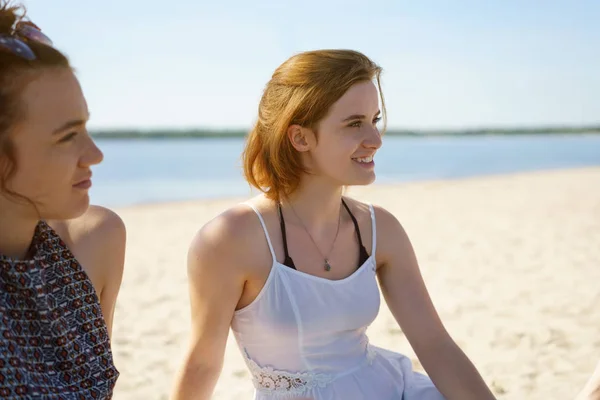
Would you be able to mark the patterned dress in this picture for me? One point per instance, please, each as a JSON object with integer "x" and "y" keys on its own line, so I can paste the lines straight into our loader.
{"x": 54, "y": 342}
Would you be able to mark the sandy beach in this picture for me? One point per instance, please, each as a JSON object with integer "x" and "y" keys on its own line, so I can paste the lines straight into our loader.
{"x": 512, "y": 263}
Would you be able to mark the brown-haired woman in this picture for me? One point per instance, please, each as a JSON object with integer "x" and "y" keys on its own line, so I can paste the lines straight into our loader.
{"x": 61, "y": 261}
{"x": 294, "y": 271}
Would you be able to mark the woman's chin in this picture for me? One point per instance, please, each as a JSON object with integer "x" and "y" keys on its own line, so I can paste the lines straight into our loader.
{"x": 360, "y": 181}
{"x": 67, "y": 210}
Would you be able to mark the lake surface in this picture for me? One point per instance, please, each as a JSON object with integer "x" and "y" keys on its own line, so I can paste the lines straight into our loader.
{"x": 146, "y": 171}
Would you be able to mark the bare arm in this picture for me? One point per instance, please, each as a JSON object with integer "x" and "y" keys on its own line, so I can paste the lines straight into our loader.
{"x": 215, "y": 285}
{"x": 591, "y": 390}
{"x": 97, "y": 239}
{"x": 110, "y": 258}
{"x": 408, "y": 299}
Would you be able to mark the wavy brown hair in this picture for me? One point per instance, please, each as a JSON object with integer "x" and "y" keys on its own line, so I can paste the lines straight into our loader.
{"x": 15, "y": 73}
{"x": 301, "y": 91}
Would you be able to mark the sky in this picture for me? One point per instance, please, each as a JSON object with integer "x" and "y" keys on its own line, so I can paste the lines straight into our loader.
{"x": 447, "y": 64}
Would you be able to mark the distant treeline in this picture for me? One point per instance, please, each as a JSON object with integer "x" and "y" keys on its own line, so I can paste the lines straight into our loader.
{"x": 166, "y": 133}
{"x": 206, "y": 133}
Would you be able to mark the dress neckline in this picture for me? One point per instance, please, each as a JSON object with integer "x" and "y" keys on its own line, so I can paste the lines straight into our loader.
{"x": 41, "y": 235}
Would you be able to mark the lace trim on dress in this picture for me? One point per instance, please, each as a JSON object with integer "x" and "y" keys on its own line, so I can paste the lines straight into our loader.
{"x": 269, "y": 380}
{"x": 272, "y": 381}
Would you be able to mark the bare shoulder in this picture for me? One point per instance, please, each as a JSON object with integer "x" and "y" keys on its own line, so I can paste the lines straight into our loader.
{"x": 386, "y": 220}
{"x": 97, "y": 239}
{"x": 98, "y": 228}
{"x": 392, "y": 239}
{"x": 224, "y": 257}
{"x": 103, "y": 218}
{"x": 360, "y": 210}
{"x": 226, "y": 240}
{"x": 387, "y": 223}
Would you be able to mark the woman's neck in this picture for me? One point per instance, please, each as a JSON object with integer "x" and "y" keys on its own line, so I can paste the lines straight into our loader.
{"x": 316, "y": 202}
{"x": 16, "y": 231}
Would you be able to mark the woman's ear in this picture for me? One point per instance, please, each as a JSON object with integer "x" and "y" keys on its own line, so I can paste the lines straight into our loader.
{"x": 298, "y": 137}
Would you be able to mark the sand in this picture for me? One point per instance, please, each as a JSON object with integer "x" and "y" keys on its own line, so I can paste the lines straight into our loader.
{"x": 512, "y": 263}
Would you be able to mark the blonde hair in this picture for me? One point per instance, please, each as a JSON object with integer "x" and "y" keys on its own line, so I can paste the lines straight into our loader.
{"x": 301, "y": 91}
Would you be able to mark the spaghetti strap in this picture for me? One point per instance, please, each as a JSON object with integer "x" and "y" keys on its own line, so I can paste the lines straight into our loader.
{"x": 373, "y": 230}
{"x": 305, "y": 336}
{"x": 264, "y": 227}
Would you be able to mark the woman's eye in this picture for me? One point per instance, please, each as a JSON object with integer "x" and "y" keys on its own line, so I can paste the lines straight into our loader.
{"x": 68, "y": 137}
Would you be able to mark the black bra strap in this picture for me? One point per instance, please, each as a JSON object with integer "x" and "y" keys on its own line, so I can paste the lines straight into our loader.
{"x": 288, "y": 260}
{"x": 363, "y": 255}
{"x": 354, "y": 221}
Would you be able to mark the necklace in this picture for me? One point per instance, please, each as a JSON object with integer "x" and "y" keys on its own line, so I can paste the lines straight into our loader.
{"x": 326, "y": 265}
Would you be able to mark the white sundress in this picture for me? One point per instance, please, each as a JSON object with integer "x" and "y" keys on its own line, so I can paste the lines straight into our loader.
{"x": 304, "y": 337}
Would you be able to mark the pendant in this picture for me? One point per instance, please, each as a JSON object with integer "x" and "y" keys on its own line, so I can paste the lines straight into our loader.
{"x": 327, "y": 265}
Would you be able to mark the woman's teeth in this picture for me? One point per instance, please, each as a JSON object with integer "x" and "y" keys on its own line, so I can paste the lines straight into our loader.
{"x": 364, "y": 159}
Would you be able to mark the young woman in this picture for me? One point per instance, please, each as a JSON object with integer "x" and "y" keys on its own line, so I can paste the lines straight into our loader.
{"x": 294, "y": 271}
{"x": 61, "y": 261}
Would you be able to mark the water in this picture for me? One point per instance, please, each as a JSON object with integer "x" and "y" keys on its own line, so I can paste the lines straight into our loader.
{"x": 145, "y": 171}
